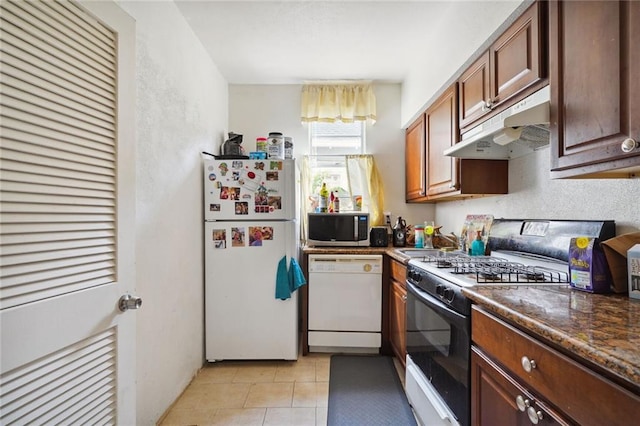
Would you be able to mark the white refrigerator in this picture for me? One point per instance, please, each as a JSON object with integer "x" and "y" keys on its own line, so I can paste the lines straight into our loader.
{"x": 250, "y": 226}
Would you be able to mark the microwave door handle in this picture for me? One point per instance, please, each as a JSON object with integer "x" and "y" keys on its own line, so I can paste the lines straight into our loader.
{"x": 355, "y": 228}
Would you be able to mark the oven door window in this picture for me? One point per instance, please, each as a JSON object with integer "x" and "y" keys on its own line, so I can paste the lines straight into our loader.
{"x": 438, "y": 341}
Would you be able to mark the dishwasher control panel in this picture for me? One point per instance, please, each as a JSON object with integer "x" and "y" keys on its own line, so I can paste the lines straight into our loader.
{"x": 345, "y": 263}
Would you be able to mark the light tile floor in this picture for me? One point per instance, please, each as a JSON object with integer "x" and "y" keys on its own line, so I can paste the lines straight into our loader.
{"x": 278, "y": 393}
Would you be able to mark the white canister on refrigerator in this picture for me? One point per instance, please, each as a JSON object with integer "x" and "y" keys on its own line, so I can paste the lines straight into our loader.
{"x": 275, "y": 146}
{"x": 288, "y": 147}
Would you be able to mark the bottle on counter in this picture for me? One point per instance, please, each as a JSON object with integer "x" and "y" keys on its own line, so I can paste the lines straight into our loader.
{"x": 477, "y": 246}
{"x": 419, "y": 240}
{"x": 336, "y": 205}
{"x": 323, "y": 200}
{"x": 332, "y": 198}
{"x": 399, "y": 233}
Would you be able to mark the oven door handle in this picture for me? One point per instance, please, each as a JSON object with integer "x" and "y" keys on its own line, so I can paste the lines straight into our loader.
{"x": 435, "y": 304}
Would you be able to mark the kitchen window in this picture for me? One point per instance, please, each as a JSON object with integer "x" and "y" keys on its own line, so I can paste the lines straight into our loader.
{"x": 330, "y": 143}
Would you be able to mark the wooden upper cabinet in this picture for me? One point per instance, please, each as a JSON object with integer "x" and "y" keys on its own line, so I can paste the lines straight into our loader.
{"x": 432, "y": 176}
{"x": 516, "y": 58}
{"x": 474, "y": 91}
{"x": 595, "y": 81}
{"x": 441, "y": 121}
{"x": 513, "y": 67}
{"x": 415, "y": 161}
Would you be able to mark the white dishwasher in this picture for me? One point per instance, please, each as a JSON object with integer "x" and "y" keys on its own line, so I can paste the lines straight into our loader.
{"x": 345, "y": 303}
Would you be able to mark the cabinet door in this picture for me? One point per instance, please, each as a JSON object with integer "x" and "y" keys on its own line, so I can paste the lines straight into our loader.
{"x": 518, "y": 58}
{"x": 415, "y": 161}
{"x": 475, "y": 91}
{"x": 513, "y": 67}
{"x": 442, "y": 133}
{"x": 397, "y": 319}
{"x": 594, "y": 73}
{"x": 495, "y": 395}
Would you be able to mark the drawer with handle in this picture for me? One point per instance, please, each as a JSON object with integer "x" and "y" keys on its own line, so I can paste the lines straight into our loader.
{"x": 582, "y": 394}
{"x": 398, "y": 271}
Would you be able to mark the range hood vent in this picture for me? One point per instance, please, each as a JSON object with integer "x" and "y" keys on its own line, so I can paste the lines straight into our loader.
{"x": 518, "y": 130}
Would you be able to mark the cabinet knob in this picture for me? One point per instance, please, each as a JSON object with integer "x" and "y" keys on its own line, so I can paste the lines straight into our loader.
{"x": 487, "y": 105}
{"x": 629, "y": 145}
{"x": 527, "y": 364}
{"x": 404, "y": 298}
{"x": 522, "y": 403}
{"x": 534, "y": 416}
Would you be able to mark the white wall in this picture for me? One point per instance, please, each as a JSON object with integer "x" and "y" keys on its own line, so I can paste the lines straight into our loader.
{"x": 255, "y": 110}
{"x": 532, "y": 194}
{"x": 429, "y": 73}
{"x": 182, "y": 109}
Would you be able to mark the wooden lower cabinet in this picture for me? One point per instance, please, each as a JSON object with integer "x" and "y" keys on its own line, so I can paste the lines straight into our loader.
{"x": 505, "y": 358}
{"x": 398, "y": 310}
{"x": 495, "y": 398}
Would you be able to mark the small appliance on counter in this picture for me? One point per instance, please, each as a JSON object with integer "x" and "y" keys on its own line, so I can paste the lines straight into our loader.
{"x": 338, "y": 229}
{"x": 232, "y": 146}
{"x": 378, "y": 236}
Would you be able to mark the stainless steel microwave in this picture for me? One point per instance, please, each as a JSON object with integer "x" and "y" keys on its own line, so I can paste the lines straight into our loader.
{"x": 338, "y": 229}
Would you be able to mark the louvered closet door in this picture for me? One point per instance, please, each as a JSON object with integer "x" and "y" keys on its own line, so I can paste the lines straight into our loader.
{"x": 67, "y": 212}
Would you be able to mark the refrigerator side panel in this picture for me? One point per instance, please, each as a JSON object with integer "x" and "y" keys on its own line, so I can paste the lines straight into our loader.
{"x": 243, "y": 319}
{"x": 249, "y": 189}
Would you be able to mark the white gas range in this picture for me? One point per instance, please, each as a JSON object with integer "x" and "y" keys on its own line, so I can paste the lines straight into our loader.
{"x": 438, "y": 334}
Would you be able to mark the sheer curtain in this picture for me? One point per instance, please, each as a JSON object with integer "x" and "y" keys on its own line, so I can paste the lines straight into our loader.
{"x": 363, "y": 180}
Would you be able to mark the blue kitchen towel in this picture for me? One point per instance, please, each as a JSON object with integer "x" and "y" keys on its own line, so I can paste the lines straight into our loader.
{"x": 296, "y": 277}
{"x": 283, "y": 290}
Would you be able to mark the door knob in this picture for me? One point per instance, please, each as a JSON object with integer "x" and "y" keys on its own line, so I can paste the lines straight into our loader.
{"x": 128, "y": 301}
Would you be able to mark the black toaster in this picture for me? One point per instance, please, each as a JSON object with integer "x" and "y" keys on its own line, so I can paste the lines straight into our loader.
{"x": 378, "y": 237}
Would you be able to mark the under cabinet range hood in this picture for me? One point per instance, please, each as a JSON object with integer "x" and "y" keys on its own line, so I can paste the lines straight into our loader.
{"x": 516, "y": 131}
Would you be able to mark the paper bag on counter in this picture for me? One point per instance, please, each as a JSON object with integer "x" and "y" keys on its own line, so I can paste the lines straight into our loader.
{"x": 615, "y": 250}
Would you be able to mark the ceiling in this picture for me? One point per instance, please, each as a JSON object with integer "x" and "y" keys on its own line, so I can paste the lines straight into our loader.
{"x": 289, "y": 42}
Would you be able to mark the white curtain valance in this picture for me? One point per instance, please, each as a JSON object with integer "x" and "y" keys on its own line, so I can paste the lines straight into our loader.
{"x": 338, "y": 102}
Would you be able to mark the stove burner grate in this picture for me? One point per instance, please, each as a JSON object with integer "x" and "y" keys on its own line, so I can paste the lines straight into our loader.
{"x": 490, "y": 269}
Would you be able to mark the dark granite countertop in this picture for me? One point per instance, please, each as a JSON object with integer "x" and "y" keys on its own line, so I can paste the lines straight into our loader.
{"x": 603, "y": 330}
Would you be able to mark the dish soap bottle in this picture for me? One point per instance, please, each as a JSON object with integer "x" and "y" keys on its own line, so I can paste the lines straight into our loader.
{"x": 323, "y": 201}
{"x": 477, "y": 246}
